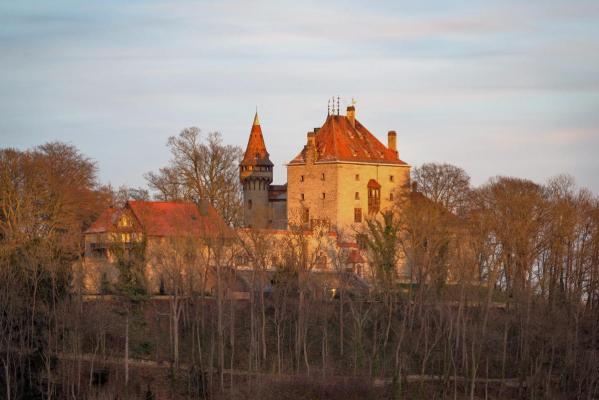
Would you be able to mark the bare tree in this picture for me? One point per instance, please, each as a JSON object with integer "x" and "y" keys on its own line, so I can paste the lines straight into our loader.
{"x": 178, "y": 264}
{"x": 201, "y": 169}
{"x": 48, "y": 196}
{"x": 445, "y": 184}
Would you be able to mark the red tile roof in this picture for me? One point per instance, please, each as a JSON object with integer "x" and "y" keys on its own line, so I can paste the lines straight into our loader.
{"x": 255, "y": 152}
{"x": 105, "y": 222}
{"x": 168, "y": 218}
{"x": 338, "y": 140}
{"x": 373, "y": 184}
{"x": 355, "y": 257}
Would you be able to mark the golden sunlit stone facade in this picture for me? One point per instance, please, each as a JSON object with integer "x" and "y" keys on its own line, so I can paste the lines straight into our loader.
{"x": 342, "y": 176}
{"x": 337, "y": 193}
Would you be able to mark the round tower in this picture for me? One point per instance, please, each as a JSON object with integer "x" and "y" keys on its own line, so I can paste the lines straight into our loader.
{"x": 255, "y": 174}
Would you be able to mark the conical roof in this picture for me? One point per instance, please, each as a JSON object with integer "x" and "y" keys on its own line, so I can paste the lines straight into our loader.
{"x": 255, "y": 152}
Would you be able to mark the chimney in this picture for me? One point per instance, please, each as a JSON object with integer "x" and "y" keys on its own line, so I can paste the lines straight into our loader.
{"x": 311, "y": 139}
{"x": 311, "y": 148}
{"x": 392, "y": 141}
{"x": 351, "y": 115}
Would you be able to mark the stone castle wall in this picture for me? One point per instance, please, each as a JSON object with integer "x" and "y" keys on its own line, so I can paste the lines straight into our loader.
{"x": 340, "y": 183}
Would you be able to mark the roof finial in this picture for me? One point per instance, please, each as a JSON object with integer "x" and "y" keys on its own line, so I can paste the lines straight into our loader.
{"x": 337, "y": 105}
{"x": 329, "y": 107}
{"x": 256, "y": 120}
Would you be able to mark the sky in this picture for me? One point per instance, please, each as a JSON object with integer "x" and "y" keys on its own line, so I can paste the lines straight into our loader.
{"x": 498, "y": 87}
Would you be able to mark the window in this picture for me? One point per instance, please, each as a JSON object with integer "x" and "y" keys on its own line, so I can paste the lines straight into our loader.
{"x": 324, "y": 195}
{"x": 357, "y": 196}
{"x": 391, "y": 196}
{"x": 374, "y": 200}
{"x": 322, "y": 176}
{"x": 357, "y": 177}
{"x": 391, "y": 178}
{"x": 306, "y": 216}
{"x": 302, "y": 196}
{"x": 249, "y": 204}
{"x": 161, "y": 287}
{"x": 97, "y": 251}
{"x": 301, "y": 178}
{"x": 357, "y": 215}
{"x": 125, "y": 221}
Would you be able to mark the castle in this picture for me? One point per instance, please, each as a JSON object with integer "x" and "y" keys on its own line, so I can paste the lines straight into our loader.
{"x": 342, "y": 176}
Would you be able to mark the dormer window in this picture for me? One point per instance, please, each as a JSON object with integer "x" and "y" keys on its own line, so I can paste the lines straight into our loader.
{"x": 322, "y": 176}
{"x": 301, "y": 178}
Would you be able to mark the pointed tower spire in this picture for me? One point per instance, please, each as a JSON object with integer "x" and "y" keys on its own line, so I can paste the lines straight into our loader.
{"x": 255, "y": 152}
{"x": 256, "y": 119}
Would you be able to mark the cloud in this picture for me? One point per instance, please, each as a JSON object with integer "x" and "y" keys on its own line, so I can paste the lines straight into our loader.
{"x": 455, "y": 79}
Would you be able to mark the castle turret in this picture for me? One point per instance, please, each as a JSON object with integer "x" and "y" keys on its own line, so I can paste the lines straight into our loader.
{"x": 255, "y": 173}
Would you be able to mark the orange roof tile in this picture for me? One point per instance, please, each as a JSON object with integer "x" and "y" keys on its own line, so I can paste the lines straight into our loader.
{"x": 373, "y": 184}
{"x": 105, "y": 221}
{"x": 255, "y": 152}
{"x": 179, "y": 218}
{"x": 338, "y": 140}
{"x": 168, "y": 218}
